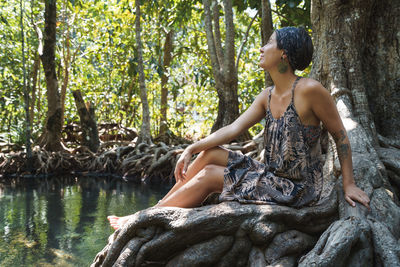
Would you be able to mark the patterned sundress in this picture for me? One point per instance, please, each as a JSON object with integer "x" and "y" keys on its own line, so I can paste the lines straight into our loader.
{"x": 292, "y": 172}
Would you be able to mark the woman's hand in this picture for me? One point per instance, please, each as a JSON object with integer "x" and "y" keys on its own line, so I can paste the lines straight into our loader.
{"x": 182, "y": 165}
{"x": 352, "y": 192}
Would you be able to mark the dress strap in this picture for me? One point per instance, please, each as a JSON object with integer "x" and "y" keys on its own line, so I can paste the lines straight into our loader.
{"x": 269, "y": 94}
{"x": 294, "y": 85}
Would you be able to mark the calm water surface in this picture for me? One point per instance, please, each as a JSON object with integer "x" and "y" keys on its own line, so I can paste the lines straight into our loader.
{"x": 62, "y": 221}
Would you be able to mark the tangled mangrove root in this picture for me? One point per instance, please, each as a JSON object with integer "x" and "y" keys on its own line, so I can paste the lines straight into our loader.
{"x": 134, "y": 162}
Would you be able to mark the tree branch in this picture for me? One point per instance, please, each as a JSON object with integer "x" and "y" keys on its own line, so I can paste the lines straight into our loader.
{"x": 210, "y": 38}
{"x": 217, "y": 31}
{"x": 229, "y": 56}
{"x": 283, "y": 16}
{"x": 245, "y": 39}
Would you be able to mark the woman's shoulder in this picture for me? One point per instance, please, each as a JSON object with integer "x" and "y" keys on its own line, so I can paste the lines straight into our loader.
{"x": 264, "y": 93}
{"x": 309, "y": 86}
{"x": 266, "y": 89}
{"x": 312, "y": 91}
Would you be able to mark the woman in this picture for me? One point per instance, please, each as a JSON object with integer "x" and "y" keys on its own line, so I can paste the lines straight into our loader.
{"x": 292, "y": 172}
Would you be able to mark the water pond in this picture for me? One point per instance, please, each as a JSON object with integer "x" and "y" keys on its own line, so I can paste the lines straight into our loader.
{"x": 61, "y": 221}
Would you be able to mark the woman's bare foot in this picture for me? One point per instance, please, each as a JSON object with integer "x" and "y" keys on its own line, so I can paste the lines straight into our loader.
{"x": 117, "y": 222}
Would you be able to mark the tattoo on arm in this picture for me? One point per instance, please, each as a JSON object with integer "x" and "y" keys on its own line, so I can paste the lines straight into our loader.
{"x": 343, "y": 149}
{"x": 339, "y": 136}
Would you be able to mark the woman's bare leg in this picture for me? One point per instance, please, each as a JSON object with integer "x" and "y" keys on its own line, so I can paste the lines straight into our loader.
{"x": 216, "y": 156}
{"x": 210, "y": 179}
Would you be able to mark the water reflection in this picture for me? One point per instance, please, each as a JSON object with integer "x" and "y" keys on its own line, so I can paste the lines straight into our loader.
{"x": 62, "y": 221}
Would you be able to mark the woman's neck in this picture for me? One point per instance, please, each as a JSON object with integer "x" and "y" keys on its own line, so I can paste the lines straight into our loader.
{"x": 283, "y": 81}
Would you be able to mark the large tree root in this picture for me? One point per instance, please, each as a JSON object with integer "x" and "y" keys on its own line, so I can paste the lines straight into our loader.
{"x": 391, "y": 159}
{"x": 221, "y": 235}
{"x": 355, "y": 242}
{"x": 231, "y": 234}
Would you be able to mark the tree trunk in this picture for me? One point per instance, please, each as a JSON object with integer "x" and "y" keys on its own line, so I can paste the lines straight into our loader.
{"x": 266, "y": 31}
{"x": 26, "y": 96}
{"x": 52, "y": 140}
{"x": 223, "y": 64}
{"x": 67, "y": 60}
{"x": 168, "y": 48}
{"x": 34, "y": 76}
{"x": 332, "y": 233}
{"x": 382, "y": 79}
{"x": 144, "y": 135}
{"x": 128, "y": 107}
{"x": 90, "y": 134}
{"x": 344, "y": 36}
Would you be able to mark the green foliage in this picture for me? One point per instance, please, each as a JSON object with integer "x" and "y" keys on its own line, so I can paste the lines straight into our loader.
{"x": 103, "y": 61}
{"x": 294, "y": 12}
{"x": 11, "y": 72}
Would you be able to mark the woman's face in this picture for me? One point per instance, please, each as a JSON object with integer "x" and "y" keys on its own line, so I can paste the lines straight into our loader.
{"x": 270, "y": 54}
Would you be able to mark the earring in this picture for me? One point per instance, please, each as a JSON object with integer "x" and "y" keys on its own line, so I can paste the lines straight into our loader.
{"x": 283, "y": 66}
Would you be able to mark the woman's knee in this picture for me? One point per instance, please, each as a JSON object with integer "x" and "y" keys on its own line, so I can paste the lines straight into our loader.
{"x": 215, "y": 155}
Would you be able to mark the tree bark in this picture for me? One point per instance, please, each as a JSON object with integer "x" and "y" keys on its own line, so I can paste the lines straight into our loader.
{"x": 168, "y": 48}
{"x": 52, "y": 140}
{"x": 266, "y": 32}
{"x": 34, "y": 77}
{"x": 39, "y": 91}
{"x": 223, "y": 63}
{"x": 67, "y": 62}
{"x": 383, "y": 48}
{"x": 332, "y": 233}
{"x": 127, "y": 105}
{"x": 144, "y": 135}
{"x": 90, "y": 134}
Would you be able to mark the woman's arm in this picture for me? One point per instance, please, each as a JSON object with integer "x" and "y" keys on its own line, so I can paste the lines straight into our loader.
{"x": 324, "y": 107}
{"x": 250, "y": 117}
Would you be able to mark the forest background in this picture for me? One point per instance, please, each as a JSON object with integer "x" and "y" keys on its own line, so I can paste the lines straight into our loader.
{"x": 96, "y": 53}
{"x": 181, "y": 70}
